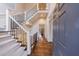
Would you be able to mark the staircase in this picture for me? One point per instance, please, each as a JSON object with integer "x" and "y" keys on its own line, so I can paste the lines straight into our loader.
{"x": 10, "y": 47}
{"x": 14, "y": 43}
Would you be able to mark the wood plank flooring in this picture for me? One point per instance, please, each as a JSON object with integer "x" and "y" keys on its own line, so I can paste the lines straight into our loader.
{"x": 43, "y": 48}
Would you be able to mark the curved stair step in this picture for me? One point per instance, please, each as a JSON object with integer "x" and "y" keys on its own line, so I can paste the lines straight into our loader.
{"x": 5, "y": 37}
{"x": 8, "y": 49}
{"x": 7, "y": 43}
{"x": 25, "y": 53}
{"x": 19, "y": 52}
{"x": 9, "y": 53}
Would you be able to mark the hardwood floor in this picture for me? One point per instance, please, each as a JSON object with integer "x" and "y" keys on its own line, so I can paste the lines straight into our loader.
{"x": 43, "y": 48}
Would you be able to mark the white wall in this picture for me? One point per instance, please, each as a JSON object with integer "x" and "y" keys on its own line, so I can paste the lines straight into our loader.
{"x": 32, "y": 31}
{"x": 51, "y": 7}
{"x": 48, "y": 32}
{"x": 35, "y": 28}
{"x": 3, "y": 7}
{"x": 2, "y": 22}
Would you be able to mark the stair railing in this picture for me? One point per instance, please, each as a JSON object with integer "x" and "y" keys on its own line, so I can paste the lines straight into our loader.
{"x": 25, "y": 15}
{"x": 30, "y": 12}
{"x": 19, "y": 29}
{"x": 23, "y": 32}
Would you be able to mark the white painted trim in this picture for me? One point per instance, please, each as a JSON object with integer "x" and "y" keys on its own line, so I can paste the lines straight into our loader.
{"x": 47, "y": 6}
{"x": 50, "y": 6}
{"x": 52, "y": 31}
{"x": 28, "y": 36}
{"x": 24, "y": 15}
{"x": 37, "y": 7}
{"x": 7, "y": 21}
{"x": 2, "y": 36}
{"x": 51, "y": 25}
{"x": 28, "y": 44}
{"x": 6, "y": 42}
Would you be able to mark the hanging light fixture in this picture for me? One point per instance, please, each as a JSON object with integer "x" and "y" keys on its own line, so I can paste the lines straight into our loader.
{"x": 42, "y": 21}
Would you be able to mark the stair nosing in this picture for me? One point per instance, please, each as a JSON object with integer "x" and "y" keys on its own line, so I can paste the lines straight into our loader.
{"x": 11, "y": 51}
{"x": 18, "y": 51}
{"x": 3, "y": 36}
{"x": 6, "y": 41}
{"x": 9, "y": 48}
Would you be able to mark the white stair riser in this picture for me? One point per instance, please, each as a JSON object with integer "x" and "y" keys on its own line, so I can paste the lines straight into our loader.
{"x": 19, "y": 52}
{"x": 8, "y": 49}
{"x": 5, "y": 38}
{"x": 7, "y": 45}
{"x": 9, "y": 53}
{"x": 25, "y": 53}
